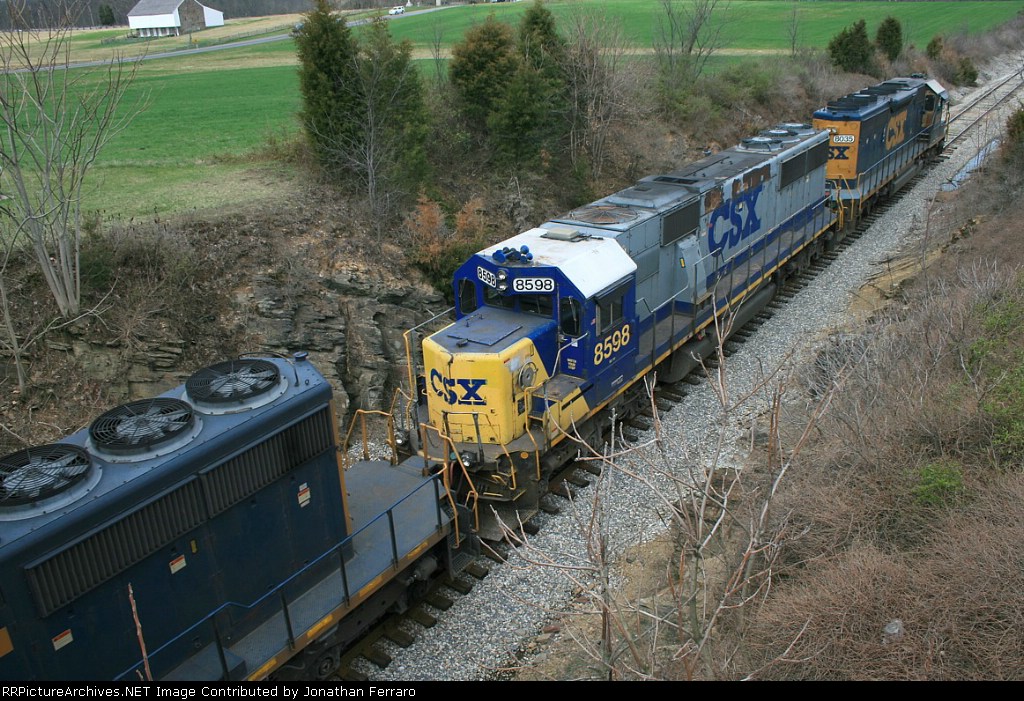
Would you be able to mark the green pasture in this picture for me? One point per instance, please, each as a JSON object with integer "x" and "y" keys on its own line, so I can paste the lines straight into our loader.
{"x": 209, "y": 114}
{"x": 753, "y": 24}
{"x": 199, "y": 132}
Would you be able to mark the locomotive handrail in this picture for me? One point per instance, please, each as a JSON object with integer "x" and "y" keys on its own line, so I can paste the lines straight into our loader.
{"x": 472, "y": 494}
{"x": 278, "y": 591}
{"x": 490, "y": 425}
{"x": 409, "y": 356}
{"x": 361, "y": 415}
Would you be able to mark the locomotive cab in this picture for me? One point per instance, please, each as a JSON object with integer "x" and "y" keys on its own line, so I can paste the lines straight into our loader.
{"x": 542, "y": 321}
{"x": 539, "y": 319}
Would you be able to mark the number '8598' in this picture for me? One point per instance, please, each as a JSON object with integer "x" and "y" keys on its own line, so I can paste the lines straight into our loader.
{"x": 611, "y": 345}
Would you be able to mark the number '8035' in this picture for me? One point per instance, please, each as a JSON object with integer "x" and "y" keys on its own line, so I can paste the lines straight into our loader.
{"x": 611, "y": 345}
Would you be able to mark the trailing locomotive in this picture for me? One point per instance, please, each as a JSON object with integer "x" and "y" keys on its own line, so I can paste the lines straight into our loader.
{"x": 215, "y": 533}
{"x": 210, "y": 533}
{"x": 556, "y": 326}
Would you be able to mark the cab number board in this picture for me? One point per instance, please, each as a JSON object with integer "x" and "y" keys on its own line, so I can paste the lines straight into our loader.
{"x": 486, "y": 276}
{"x": 533, "y": 284}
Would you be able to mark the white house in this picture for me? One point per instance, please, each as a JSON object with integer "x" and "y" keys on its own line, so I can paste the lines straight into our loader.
{"x": 160, "y": 18}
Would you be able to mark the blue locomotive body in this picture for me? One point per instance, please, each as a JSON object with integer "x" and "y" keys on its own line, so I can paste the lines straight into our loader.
{"x": 205, "y": 534}
{"x": 880, "y": 137}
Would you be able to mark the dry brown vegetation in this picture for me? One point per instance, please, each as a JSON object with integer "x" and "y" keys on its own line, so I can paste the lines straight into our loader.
{"x": 906, "y": 512}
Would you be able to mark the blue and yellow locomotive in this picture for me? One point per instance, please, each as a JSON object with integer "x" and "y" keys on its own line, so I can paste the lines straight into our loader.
{"x": 556, "y": 326}
{"x": 211, "y": 533}
{"x": 880, "y": 137}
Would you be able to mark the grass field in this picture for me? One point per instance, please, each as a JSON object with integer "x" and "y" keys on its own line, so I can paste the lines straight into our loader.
{"x": 208, "y": 112}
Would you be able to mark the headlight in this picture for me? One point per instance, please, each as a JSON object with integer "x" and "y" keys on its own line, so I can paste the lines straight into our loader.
{"x": 527, "y": 375}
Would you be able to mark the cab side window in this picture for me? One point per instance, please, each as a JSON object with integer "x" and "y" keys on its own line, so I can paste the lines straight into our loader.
{"x": 570, "y": 314}
{"x": 610, "y": 309}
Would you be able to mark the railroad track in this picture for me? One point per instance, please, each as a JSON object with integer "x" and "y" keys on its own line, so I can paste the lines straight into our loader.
{"x": 400, "y": 629}
{"x": 981, "y": 107}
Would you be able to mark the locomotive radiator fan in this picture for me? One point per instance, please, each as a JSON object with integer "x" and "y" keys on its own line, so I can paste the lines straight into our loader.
{"x": 234, "y": 385}
{"x": 41, "y": 472}
{"x": 141, "y": 429}
{"x": 604, "y": 214}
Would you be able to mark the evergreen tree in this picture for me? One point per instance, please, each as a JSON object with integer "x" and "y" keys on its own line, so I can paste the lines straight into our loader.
{"x": 539, "y": 41}
{"x": 889, "y": 38}
{"x": 528, "y": 118}
{"x": 331, "y": 104}
{"x": 391, "y": 142}
{"x": 106, "y": 15}
{"x": 482, "y": 67}
{"x": 851, "y": 49}
{"x": 521, "y": 122}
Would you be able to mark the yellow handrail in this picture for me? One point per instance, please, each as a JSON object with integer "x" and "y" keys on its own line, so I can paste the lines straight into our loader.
{"x": 360, "y": 416}
{"x": 472, "y": 496}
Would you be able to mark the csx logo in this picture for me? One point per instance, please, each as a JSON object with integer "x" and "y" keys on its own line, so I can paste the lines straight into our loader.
{"x": 838, "y": 153}
{"x": 734, "y": 220}
{"x": 457, "y": 391}
{"x": 895, "y": 131}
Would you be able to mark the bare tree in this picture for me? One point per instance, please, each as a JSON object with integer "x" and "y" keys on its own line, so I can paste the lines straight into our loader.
{"x": 597, "y": 85}
{"x": 688, "y": 34}
{"x": 54, "y": 121}
{"x": 437, "y": 47}
{"x": 793, "y": 29}
{"x": 384, "y": 143}
{"x": 727, "y": 539}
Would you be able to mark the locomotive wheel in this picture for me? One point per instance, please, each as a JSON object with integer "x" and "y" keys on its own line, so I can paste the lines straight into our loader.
{"x": 326, "y": 664}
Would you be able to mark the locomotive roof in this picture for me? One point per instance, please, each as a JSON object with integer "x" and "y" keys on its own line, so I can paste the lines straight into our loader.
{"x": 872, "y": 100}
{"x": 590, "y": 263}
{"x": 630, "y": 207}
{"x": 120, "y": 485}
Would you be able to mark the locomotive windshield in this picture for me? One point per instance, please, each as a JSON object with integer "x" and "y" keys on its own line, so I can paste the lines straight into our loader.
{"x": 536, "y": 304}
{"x": 467, "y": 296}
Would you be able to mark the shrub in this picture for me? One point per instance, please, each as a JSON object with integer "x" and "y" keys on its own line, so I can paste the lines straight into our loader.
{"x": 966, "y": 73}
{"x": 851, "y": 49}
{"x": 436, "y": 248}
{"x": 939, "y": 483}
{"x": 1013, "y": 150}
{"x": 889, "y": 38}
{"x": 934, "y": 48}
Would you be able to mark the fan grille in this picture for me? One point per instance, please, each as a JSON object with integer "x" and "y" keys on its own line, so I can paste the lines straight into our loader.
{"x": 138, "y": 426}
{"x": 233, "y": 381}
{"x": 604, "y": 214}
{"x": 43, "y": 471}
